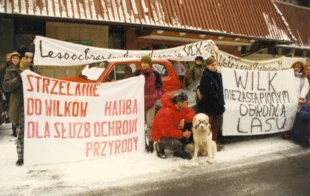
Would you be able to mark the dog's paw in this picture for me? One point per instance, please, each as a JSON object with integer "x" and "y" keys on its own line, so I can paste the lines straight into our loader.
{"x": 192, "y": 160}
{"x": 210, "y": 161}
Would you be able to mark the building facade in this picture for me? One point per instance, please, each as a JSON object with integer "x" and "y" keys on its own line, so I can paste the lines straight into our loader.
{"x": 238, "y": 27}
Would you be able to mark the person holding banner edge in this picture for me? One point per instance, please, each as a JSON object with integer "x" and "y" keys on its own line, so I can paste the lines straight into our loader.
{"x": 302, "y": 88}
{"x": 13, "y": 83}
{"x": 153, "y": 90}
{"x": 211, "y": 98}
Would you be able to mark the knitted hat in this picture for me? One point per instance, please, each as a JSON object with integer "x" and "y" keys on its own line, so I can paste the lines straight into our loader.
{"x": 179, "y": 97}
{"x": 199, "y": 58}
{"x": 15, "y": 53}
{"x": 25, "y": 51}
{"x": 146, "y": 59}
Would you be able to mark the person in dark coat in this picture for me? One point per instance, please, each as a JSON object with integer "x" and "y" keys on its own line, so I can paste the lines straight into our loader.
{"x": 13, "y": 61}
{"x": 3, "y": 69}
{"x": 153, "y": 90}
{"x": 211, "y": 94}
{"x": 13, "y": 84}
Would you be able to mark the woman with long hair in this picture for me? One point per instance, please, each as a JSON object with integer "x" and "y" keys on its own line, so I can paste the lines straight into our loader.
{"x": 211, "y": 94}
{"x": 302, "y": 87}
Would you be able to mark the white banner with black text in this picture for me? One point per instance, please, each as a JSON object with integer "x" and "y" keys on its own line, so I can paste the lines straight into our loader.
{"x": 55, "y": 52}
{"x": 258, "y": 102}
{"x": 225, "y": 60}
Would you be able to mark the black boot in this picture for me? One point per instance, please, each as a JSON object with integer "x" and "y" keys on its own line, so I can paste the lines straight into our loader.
{"x": 20, "y": 162}
{"x": 149, "y": 148}
{"x": 182, "y": 154}
{"x": 14, "y": 131}
{"x": 160, "y": 150}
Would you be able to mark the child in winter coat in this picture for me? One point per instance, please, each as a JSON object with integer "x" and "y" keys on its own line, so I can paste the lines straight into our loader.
{"x": 153, "y": 90}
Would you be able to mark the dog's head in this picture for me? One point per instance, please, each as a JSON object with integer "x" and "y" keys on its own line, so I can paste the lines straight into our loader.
{"x": 201, "y": 122}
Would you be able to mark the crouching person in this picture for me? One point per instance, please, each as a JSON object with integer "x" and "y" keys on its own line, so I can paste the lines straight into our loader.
{"x": 167, "y": 130}
{"x": 13, "y": 84}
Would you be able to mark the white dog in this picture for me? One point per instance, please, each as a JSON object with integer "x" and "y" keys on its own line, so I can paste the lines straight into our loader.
{"x": 202, "y": 136}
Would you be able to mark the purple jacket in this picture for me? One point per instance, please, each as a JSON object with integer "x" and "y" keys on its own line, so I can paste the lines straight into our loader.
{"x": 153, "y": 87}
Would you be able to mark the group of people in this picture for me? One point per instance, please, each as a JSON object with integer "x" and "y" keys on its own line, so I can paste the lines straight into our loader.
{"x": 12, "y": 88}
{"x": 171, "y": 127}
{"x": 191, "y": 74}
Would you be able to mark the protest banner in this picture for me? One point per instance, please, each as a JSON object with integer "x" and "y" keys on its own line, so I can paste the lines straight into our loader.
{"x": 68, "y": 121}
{"x": 55, "y": 52}
{"x": 225, "y": 60}
{"x": 258, "y": 102}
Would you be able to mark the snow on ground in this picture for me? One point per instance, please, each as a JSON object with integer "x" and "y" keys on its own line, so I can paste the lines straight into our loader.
{"x": 109, "y": 171}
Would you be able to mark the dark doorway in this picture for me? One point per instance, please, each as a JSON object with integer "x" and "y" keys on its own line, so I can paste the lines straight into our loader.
{"x": 26, "y": 30}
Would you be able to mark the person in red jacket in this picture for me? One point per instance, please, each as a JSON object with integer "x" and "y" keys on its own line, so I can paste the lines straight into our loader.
{"x": 168, "y": 125}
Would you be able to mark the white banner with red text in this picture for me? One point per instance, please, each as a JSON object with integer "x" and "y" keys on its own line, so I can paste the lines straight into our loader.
{"x": 67, "y": 121}
{"x": 55, "y": 52}
{"x": 258, "y": 102}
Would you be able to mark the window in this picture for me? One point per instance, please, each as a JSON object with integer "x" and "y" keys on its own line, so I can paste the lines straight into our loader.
{"x": 121, "y": 71}
{"x": 94, "y": 70}
{"x": 117, "y": 37}
{"x": 161, "y": 69}
{"x": 298, "y": 52}
{"x": 285, "y": 51}
{"x": 272, "y": 50}
{"x": 26, "y": 30}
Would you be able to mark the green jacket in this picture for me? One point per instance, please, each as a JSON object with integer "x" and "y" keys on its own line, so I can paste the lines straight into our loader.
{"x": 13, "y": 85}
{"x": 193, "y": 74}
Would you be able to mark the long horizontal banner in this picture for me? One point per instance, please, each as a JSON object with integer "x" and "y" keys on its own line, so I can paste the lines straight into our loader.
{"x": 258, "y": 102}
{"x": 55, "y": 52}
{"x": 68, "y": 121}
{"x": 226, "y": 60}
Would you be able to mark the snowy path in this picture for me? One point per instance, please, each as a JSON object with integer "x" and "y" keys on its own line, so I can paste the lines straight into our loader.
{"x": 69, "y": 178}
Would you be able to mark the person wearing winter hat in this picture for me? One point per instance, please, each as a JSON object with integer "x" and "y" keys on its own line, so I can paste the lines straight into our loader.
{"x": 169, "y": 130}
{"x": 13, "y": 60}
{"x": 194, "y": 72}
{"x": 13, "y": 83}
{"x": 153, "y": 90}
{"x": 15, "y": 57}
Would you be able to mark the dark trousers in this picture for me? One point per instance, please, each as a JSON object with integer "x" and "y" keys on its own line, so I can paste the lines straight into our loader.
{"x": 20, "y": 135}
{"x": 215, "y": 122}
{"x": 172, "y": 144}
{"x": 175, "y": 144}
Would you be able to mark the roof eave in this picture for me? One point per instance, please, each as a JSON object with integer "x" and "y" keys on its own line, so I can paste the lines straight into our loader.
{"x": 210, "y": 32}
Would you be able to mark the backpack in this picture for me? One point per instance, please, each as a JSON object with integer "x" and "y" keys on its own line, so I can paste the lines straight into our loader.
{"x": 158, "y": 81}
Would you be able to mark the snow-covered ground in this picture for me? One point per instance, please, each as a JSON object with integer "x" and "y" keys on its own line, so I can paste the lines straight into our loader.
{"x": 109, "y": 171}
